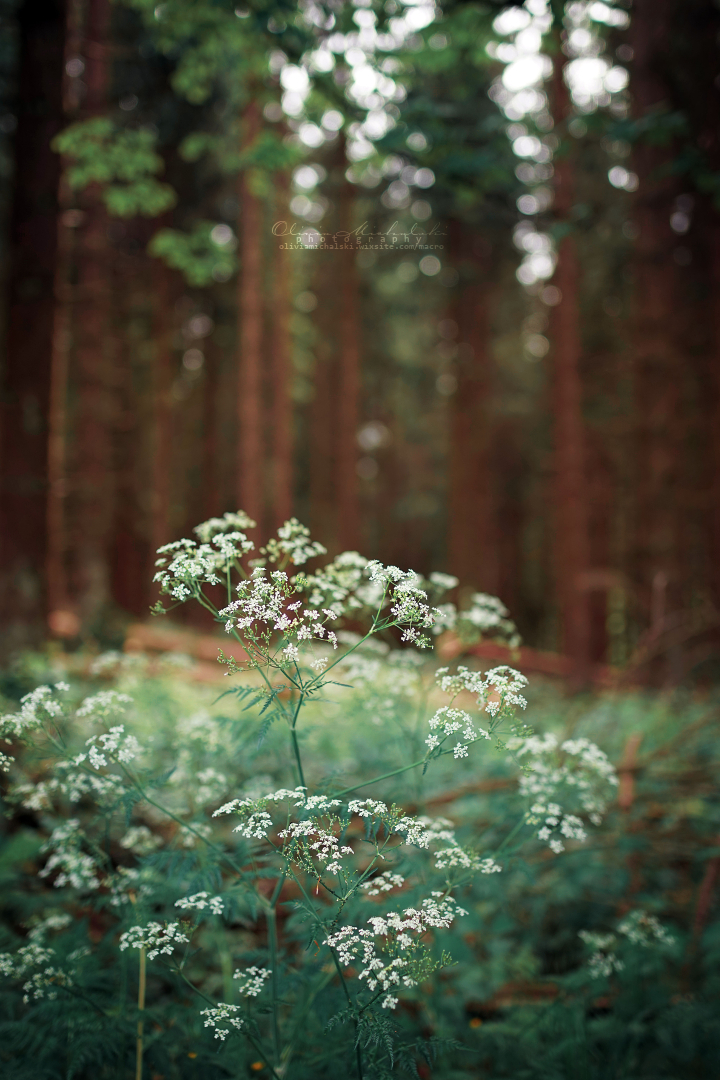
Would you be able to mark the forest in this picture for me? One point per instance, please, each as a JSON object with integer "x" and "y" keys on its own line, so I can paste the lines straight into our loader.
{"x": 411, "y": 304}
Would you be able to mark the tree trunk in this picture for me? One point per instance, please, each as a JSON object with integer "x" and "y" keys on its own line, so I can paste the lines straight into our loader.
{"x": 250, "y": 311}
{"x": 570, "y": 518}
{"x": 657, "y": 375}
{"x": 348, "y": 406}
{"x": 282, "y": 413}
{"x": 160, "y": 528}
{"x": 471, "y": 547}
{"x": 321, "y": 418}
{"x": 27, "y": 375}
{"x": 94, "y": 482}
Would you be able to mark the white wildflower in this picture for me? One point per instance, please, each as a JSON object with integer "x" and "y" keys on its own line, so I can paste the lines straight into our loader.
{"x": 221, "y": 1015}
{"x": 200, "y": 901}
{"x": 154, "y": 937}
{"x": 252, "y": 980}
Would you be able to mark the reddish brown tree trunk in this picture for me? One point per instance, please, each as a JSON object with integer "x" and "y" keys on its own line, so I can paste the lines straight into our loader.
{"x": 658, "y": 372}
{"x": 250, "y": 311}
{"x": 321, "y": 414}
{"x": 471, "y": 547}
{"x": 162, "y": 405}
{"x": 26, "y": 377}
{"x": 348, "y": 406}
{"x": 211, "y": 489}
{"x": 714, "y": 477}
{"x": 94, "y": 486}
{"x": 570, "y": 491}
{"x": 282, "y": 417}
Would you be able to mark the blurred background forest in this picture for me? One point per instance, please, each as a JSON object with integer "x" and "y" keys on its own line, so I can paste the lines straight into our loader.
{"x": 439, "y": 280}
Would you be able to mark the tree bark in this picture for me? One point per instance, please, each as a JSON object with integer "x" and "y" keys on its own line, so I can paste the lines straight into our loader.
{"x": 250, "y": 310}
{"x": 570, "y": 490}
{"x": 94, "y": 482}
{"x": 160, "y": 528}
{"x": 471, "y": 546}
{"x": 27, "y": 375}
{"x": 282, "y": 413}
{"x": 348, "y": 406}
{"x": 657, "y": 375}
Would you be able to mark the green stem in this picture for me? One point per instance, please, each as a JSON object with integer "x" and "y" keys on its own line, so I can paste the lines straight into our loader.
{"x": 296, "y": 751}
{"x": 385, "y": 776}
{"x": 510, "y": 835}
{"x": 271, "y": 916}
{"x": 251, "y": 1039}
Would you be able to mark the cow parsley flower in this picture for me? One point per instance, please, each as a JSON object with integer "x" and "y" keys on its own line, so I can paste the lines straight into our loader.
{"x": 382, "y": 883}
{"x": 105, "y": 704}
{"x": 155, "y": 938}
{"x": 293, "y": 541}
{"x": 252, "y": 980}
{"x": 36, "y": 708}
{"x": 228, "y": 523}
{"x": 36, "y": 961}
{"x": 398, "y": 959}
{"x": 200, "y": 901}
{"x": 76, "y": 867}
{"x": 221, "y": 1015}
{"x": 140, "y": 840}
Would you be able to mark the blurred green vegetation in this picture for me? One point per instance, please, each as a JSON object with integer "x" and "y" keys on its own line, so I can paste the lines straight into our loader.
{"x": 519, "y": 1001}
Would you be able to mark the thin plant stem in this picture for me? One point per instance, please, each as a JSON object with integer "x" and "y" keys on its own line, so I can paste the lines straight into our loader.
{"x": 385, "y": 776}
{"x": 140, "y": 1026}
{"x": 271, "y": 916}
{"x": 296, "y": 751}
{"x": 250, "y": 1038}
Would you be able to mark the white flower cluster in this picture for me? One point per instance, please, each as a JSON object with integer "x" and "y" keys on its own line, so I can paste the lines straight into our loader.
{"x": 443, "y": 582}
{"x": 154, "y": 937}
{"x": 57, "y": 920}
{"x": 115, "y": 744}
{"x": 604, "y": 961}
{"x": 382, "y": 883}
{"x": 42, "y": 982}
{"x": 128, "y": 884}
{"x": 497, "y": 690}
{"x": 223, "y": 1014}
{"x": 450, "y": 720}
{"x": 185, "y": 566}
{"x": 252, "y": 980}
{"x": 200, "y": 901}
{"x": 73, "y": 780}
{"x": 36, "y": 708}
{"x": 413, "y": 830}
{"x": 256, "y": 822}
{"x": 228, "y": 523}
{"x": 576, "y": 767}
{"x": 485, "y": 617}
{"x": 408, "y": 602}
{"x": 638, "y": 928}
{"x": 104, "y": 704}
{"x": 454, "y": 856}
{"x": 140, "y": 840}
{"x": 342, "y": 583}
{"x": 293, "y": 542}
{"x": 401, "y": 933}
{"x": 77, "y": 868}
{"x": 311, "y": 838}
{"x": 386, "y": 677}
{"x": 261, "y": 609}
{"x": 550, "y": 817}
{"x": 646, "y": 930}
{"x": 317, "y": 843}
{"x": 352, "y": 584}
